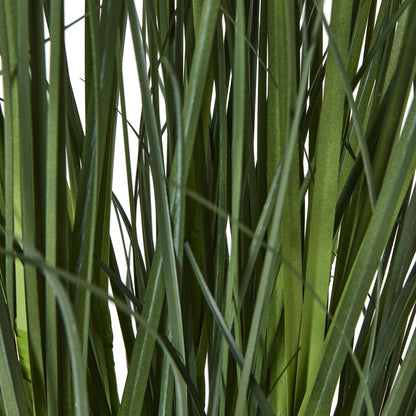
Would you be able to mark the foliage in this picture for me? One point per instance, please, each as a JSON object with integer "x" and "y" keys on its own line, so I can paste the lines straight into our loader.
{"x": 270, "y": 209}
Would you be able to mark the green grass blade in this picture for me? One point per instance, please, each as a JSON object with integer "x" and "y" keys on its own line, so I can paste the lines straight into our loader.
{"x": 162, "y": 206}
{"x": 33, "y": 289}
{"x": 268, "y": 272}
{"x": 291, "y": 228}
{"x": 177, "y": 205}
{"x": 87, "y": 204}
{"x": 259, "y": 234}
{"x": 399, "y": 393}
{"x": 339, "y": 58}
{"x": 370, "y": 349}
{"x": 8, "y": 164}
{"x": 54, "y": 148}
{"x": 322, "y": 206}
{"x": 280, "y": 107}
{"x": 111, "y": 27}
{"x": 141, "y": 357}
{"x": 392, "y": 332}
{"x": 238, "y": 88}
{"x": 133, "y": 237}
{"x": 263, "y": 402}
{"x": 78, "y": 369}
{"x": 11, "y": 381}
{"x": 380, "y": 39}
{"x": 166, "y": 386}
{"x": 35, "y": 259}
{"x": 333, "y": 355}
{"x": 197, "y": 77}
{"x": 221, "y": 249}
{"x": 139, "y": 264}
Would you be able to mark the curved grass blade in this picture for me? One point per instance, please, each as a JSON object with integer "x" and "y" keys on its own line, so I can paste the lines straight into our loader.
{"x": 11, "y": 381}
{"x": 170, "y": 271}
{"x": 199, "y": 69}
{"x": 257, "y": 239}
{"x": 77, "y": 363}
{"x": 140, "y": 270}
{"x": 402, "y": 384}
{"x": 379, "y": 41}
{"x": 141, "y": 357}
{"x": 34, "y": 258}
{"x": 259, "y": 394}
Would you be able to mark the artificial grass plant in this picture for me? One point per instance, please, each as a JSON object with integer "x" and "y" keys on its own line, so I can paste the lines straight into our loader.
{"x": 268, "y": 238}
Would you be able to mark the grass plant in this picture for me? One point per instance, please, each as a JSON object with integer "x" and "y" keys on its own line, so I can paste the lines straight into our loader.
{"x": 268, "y": 241}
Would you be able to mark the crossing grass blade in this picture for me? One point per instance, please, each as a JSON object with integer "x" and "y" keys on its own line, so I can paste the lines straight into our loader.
{"x": 361, "y": 275}
{"x": 13, "y": 393}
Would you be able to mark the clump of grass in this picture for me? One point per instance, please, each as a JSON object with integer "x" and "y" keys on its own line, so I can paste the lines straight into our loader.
{"x": 279, "y": 173}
